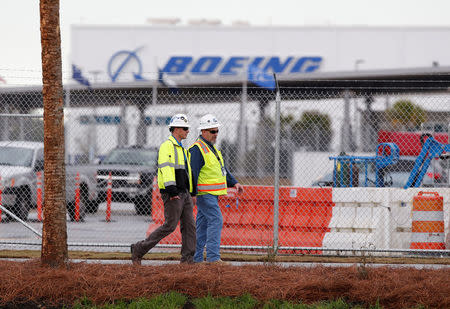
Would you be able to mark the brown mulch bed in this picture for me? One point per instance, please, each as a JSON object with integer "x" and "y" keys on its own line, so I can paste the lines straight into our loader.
{"x": 30, "y": 284}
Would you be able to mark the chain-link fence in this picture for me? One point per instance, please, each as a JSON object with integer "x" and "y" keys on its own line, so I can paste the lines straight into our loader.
{"x": 358, "y": 170}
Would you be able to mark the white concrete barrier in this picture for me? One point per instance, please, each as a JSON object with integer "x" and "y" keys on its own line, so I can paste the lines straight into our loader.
{"x": 378, "y": 218}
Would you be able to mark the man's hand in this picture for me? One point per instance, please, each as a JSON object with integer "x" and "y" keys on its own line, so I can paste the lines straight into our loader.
{"x": 176, "y": 197}
{"x": 194, "y": 200}
{"x": 239, "y": 188}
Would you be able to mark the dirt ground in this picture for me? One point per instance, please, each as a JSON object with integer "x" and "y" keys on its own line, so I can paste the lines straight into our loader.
{"x": 28, "y": 284}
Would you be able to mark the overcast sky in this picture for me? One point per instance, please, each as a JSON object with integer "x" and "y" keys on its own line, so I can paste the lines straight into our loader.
{"x": 20, "y": 37}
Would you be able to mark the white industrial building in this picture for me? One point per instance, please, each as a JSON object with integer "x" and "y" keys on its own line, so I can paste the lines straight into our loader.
{"x": 132, "y": 53}
{"x": 204, "y": 55}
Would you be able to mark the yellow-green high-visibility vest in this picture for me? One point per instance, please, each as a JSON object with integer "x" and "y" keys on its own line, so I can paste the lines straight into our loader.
{"x": 171, "y": 158}
{"x": 212, "y": 178}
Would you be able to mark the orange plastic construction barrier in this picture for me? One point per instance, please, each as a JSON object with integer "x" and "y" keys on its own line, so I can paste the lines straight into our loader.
{"x": 39, "y": 195}
{"x": 428, "y": 221}
{"x": 304, "y": 216}
{"x": 108, "y": 198}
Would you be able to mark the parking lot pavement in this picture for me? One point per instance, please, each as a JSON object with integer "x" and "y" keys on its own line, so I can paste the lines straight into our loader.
{"x": 124, "y": 228}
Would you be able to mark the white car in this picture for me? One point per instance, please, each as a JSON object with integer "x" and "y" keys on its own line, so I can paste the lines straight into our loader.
{"x": 20, "y": 163}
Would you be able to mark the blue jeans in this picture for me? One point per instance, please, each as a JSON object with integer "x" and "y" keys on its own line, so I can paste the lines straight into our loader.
{"x": 209, "y": 228}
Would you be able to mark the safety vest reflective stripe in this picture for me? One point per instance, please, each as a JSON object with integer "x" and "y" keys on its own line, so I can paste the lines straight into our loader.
{"x": 203, "y": 145}
{"x": 211, "y": 187}
{"x": 178, "y": 166}
{"x": 170, "y": 183}
{"x": 428, "y": 237}
{"x": 166, "y": 164}
{"x": 175, "y": 154}
{"x": 428, "y": 216}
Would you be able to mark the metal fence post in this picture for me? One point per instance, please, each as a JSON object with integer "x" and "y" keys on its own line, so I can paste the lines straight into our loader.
{"x": 345, "y": 130}
{"x": 276, "y": 197}
{"x": 241, "y": 130}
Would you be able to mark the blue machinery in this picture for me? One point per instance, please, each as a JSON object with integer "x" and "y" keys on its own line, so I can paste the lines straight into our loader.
{"x": 431, "y": 149}
{"x": 345, "y": 172}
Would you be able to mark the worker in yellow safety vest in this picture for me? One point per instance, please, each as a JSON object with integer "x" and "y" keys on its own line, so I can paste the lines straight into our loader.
{"x": 176, "y": 186}
{"x": 211, "y": 179}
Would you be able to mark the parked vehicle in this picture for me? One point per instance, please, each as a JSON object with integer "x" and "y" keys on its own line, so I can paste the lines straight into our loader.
{"x": 20, "y": 163}
{"x": 131, "y": 171}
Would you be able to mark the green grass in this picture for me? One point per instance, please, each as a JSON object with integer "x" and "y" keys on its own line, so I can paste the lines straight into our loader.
{"x": 171, "y": 300}
{"x": 174, "y": 300}
{"x": 243, "y": 302}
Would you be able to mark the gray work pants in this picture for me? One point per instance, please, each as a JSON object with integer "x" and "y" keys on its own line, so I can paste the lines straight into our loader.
{"x": 177, "y": 210}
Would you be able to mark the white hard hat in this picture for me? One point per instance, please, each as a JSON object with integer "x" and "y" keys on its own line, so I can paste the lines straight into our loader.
{"x": 179, "y": 121}
{"x": 208, "y": 121}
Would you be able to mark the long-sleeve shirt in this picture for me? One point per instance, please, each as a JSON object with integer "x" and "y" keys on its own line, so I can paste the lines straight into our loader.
{"x": 197, "y": 163}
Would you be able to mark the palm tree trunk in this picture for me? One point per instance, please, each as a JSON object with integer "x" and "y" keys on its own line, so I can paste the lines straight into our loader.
{"x": 54, "y": 234}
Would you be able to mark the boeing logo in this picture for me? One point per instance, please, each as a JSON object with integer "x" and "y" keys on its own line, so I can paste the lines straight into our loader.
{"x": 208, "y": 65}
{"x": 237, "y": 64}
{"x": 122, "y": 59}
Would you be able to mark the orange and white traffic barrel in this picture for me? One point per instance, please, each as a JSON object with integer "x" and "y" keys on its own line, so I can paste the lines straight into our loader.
{"x": 428, "y": 222}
